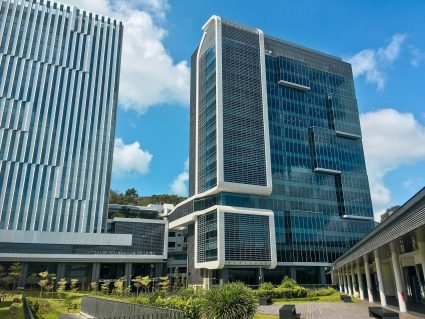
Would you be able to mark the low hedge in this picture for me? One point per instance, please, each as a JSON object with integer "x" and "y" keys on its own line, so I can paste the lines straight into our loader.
{"x": 39, "y": 305}
{"x": 320, "y": 292}
{"x": 191, "y": 306}
{"x": 283, "y": 293}
{"x": 300, "y": 299}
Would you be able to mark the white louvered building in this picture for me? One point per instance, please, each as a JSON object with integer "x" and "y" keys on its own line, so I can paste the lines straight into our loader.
{"x": 59, "y": 76}
{"x": 59, "y": 80}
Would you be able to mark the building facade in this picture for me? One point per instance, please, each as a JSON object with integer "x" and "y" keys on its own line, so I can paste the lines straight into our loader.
{"x": 59, "y": 82}
{"x": 177, "y": 252}
{"x": 277, "y": 176}
{"x": 59, "y": 74}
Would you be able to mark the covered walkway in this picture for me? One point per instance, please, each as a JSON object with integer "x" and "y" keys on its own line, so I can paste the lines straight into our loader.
{"x": 388, "y": 265}
{"x": 333, "y": 310}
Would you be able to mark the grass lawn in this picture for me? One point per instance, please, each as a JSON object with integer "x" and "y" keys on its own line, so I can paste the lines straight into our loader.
{"x": 57, "y": 302}
{"x": 261, "y": 316}
{"x": 4, "y": 308}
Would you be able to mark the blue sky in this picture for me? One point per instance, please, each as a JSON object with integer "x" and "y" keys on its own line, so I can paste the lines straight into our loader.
{"x": 385, "y": 41}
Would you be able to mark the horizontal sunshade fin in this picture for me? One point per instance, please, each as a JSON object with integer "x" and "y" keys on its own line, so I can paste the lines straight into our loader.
{"x": 357, "y": 217}
{"x": 294, "y": 85}
{"x": 327, "y": 171}
{"x": 348, "y": 135}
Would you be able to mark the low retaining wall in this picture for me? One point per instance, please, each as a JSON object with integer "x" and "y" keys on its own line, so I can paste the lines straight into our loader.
{"x": 110, "y": 309}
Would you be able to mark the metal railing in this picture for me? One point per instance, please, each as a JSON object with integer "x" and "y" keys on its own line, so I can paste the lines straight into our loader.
{"x": 111, "y": 309}
{"x": 27, "y": 310}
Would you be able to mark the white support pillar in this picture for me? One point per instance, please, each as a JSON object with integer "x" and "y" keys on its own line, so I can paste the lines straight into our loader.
{"x": 397, "y": 275}
{"x": 368, "y": 279}
{"x": 353, "y": 279}
{"x": 344, "y": 278}
{"x": 359, "y": 280}
{"x": 340, "y": 283}
{"x": 420, "y": 234}
{"x": 350, "y": 287}
{"x": 380, "y": 279}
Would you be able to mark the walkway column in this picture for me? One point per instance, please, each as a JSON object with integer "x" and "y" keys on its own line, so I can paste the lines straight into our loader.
{"x": 368, "y": 279}
{"x": 420, "y": 234}
{"x": 344, "y": 278}
{"x": 350, "y": 287}
{"x": 397, "y": 275}
{"x": 24, "y": 275}
{"x": 208, "y": 278}
{"x": 128, "y": 273}
{"x": 360, "y": 280}
{"x": 380, "y": 279}
{"x": 353, "y": 279}
{"x": 95, "y": 273}
{"x": 340, "y": 283}
{"x": 260, "y": 276}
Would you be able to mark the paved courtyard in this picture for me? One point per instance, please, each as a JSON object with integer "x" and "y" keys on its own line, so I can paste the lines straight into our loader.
{"x": 332, "y": 310}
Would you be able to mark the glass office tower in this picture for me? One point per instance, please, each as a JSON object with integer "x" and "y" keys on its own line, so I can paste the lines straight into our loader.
{"x": 278, "y": 183}
{"x": 59, "y": 75}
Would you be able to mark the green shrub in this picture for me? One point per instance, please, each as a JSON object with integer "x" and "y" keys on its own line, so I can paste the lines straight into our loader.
{"x": 327, "y": 291}
{"x": 266, "y": 286}
{"x": 264, "y": 293}
{"x": 288, "y": 283}
{"x": 283, "y": 293}
{"x": 155, "y": 295}
{"x": 40, "y": 306}
{"x": 190, "y": 293}
{"x": 191, "y": 306}
{"x": 13, "y": 311}
{"x": 289, "y": 293}
{"x": 230, "y": 301}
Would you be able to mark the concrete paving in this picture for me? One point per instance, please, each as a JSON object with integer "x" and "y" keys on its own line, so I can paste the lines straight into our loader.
{"x": 72, "y": 316}
{"x": 333, "y": 310}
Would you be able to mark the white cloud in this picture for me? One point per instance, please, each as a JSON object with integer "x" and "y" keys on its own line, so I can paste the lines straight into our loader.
{"x": 179, "y": 185}
{"x": 391, "y": 139}
{"x": 374, "y": 63}
{"x": 149, "y": 76}
{"x": 414, "y": 183}
{"x": 130, "y": 158}
{"x": 416, "y": 55}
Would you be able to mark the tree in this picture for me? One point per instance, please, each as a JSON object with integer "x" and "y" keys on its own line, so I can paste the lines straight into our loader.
{"x": 164, "y": 283}
{"x": 178, "y": 280}
{"x": 119, "y": 286}
{"x": 137, "y": 283}
{"x": 389, "y": 212}
{"x": 15, "y": 272}
{"x": 52, "y": 279}
{"x": 74, "y": 284}
{"x": 44, "y": 281}
{"x": 62, "y": 285}
{"x": 3, "y": 275}
{"x": 33, "y": 279}
{"x": 131, "y": 196}
{"x": 115, "y": 197}
{"x": 117, "y": 215}
{"x": 104, "y": 287}
{"x": 93, "y": 286}
{"x": 146, "y": 282}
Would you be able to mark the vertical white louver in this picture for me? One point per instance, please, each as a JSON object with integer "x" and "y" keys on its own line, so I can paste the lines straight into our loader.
{"x": 59, "y": 73}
